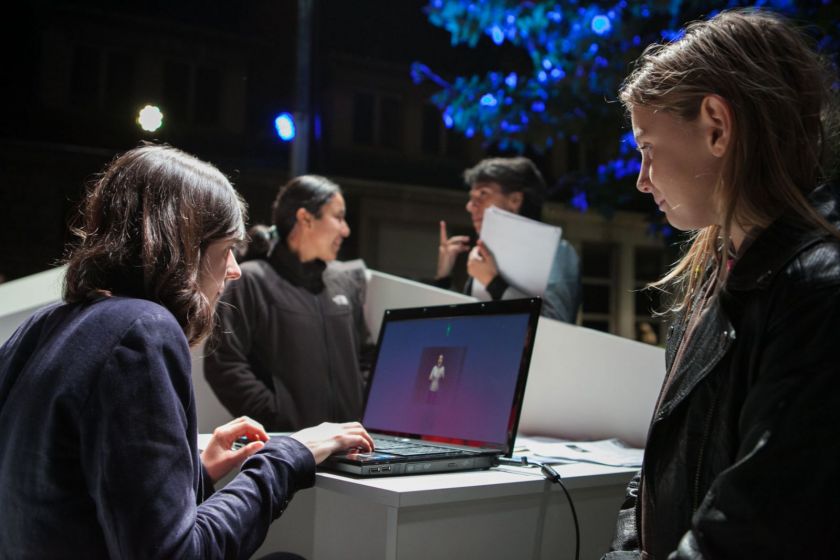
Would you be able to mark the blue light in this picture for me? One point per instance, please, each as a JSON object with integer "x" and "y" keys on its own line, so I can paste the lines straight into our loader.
{"x": 497, "y": 35}
{"x": 542, "y": 76}
{"x": 470, "y": 132}
{"x": 511, "y": 80}
{"x": 447, "y": 120}
{"x": 593, "y": 48}
{"x": 601, "y": 25}
{"x": 285, "y": 126}
{"x": 538, "y": 106}
{"x": 555, "y": 15}
{"x": 580, "y": 202}
{"x": 546, "y": 63}
{"x": 671, "y": 35}
{"x": 488, "y": 100}
{"x": 558, "y": 74}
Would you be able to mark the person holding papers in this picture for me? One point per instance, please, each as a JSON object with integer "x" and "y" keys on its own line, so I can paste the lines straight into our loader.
{"x": 286, "y": 348}
{"x": 514, "y": 185}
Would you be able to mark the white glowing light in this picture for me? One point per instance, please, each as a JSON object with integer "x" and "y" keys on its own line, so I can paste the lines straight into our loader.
{"x": 150, "y": 118}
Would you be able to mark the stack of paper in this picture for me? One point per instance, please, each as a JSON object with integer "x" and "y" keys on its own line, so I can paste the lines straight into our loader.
{"x": 610, "y": 452}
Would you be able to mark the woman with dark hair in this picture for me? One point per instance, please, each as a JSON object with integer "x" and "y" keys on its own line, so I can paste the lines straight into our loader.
{"x": 733, "y": 121}
{"x": 286, "y": 350}
{"x": 98, "y": 440}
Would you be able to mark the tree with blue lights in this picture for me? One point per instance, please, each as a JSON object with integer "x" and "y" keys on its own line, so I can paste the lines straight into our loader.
{"x": 575, "y": 54}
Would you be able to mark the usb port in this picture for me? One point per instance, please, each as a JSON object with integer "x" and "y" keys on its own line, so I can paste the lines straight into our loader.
{"x": 374, "y": 469}
{"x": 386, "y": 469}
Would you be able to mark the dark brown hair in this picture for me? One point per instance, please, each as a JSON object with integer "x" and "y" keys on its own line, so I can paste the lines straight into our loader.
{"x": 779, "y": 89}
{"x": 311, "y": 192}
{"x": 145, "y": 224}
{"x": 512, "y": 174}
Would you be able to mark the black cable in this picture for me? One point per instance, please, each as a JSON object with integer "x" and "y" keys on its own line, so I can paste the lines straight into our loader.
{"x": 553, "y": 476}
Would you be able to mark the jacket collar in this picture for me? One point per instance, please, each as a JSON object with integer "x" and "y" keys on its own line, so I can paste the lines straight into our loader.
{"x": 777, "y": 245}
{"x": 763, "y": 259}
{"x": 307, "y": 275}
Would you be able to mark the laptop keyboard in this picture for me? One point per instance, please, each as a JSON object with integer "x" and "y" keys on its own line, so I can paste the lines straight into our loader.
{"x": 409, "y": 448}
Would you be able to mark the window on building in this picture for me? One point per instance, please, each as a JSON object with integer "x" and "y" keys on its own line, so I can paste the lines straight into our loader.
{"x": 363, "y": 118}
{"x": 431, "y": 130}
{"x": 572, "y": 155}
{"x": 85, "y": 76}
{"x": 176, "y": 91}
{"x": 208, "y": 84}
{"x": 119, "y": 82}
{"x": 649, "y": 266}
{"x": 598, "y": 270}
{"x": 390, "y": 123}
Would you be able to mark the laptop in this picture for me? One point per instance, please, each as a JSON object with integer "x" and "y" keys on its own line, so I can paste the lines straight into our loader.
{"x": 446, "y": 389}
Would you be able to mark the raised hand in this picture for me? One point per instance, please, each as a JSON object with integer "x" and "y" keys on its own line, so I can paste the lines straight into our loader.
{"x": 448, "y": 251}
{"x": 219, "y": 458}
{"x": 327, "y": 438}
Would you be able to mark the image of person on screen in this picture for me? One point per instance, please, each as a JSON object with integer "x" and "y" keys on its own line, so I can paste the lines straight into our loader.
{"x": 516, "y": 185}
{"x": 438, "y": 372}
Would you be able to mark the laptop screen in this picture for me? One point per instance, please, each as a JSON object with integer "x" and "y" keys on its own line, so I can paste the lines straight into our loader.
{"x": 452, "y": 373}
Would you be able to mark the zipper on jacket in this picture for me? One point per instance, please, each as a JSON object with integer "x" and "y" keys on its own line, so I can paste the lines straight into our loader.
{"x": 330, "y": 374}
{"x": 706, "y": 430}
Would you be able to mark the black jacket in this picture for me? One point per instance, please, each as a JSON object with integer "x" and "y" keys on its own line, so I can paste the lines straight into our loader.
{"x": 284, "y": 355}
{"x": 743, "y": 452}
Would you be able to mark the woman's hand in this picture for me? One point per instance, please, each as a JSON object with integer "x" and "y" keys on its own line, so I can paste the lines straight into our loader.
{"x": 481, "y": 264}
{"x": 448, "y": 251}
{"x": 326, "y": 438}
{"x": 219, "y": 458}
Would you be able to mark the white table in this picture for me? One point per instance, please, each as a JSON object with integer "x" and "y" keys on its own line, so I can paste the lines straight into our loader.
{"x": 506, "y": 514}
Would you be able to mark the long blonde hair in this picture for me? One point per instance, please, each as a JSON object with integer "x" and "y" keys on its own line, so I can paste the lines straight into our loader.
{"x": 779, "y": 89}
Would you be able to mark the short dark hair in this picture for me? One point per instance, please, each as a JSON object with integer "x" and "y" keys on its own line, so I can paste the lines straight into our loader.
{"x": 311, "y": 192}
{"x": 145, "y": 225}
{"x": 512, "y": 174}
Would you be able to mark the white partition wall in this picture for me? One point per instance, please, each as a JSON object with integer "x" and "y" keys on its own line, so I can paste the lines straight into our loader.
{"x": 22, "y": 297}
{"x": 589, "y": 385}
{"x": 386, "y": 291}
{"x": 583, "y": 384}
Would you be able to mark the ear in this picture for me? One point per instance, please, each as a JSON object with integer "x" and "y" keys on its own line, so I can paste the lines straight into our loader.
{"x": 514, "y": 200}
{"x": 717, "y": 122}
{"x": 304, "y": 218}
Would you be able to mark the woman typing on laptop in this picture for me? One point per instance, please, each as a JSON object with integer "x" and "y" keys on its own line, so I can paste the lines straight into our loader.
{"x": 97, "y": 414}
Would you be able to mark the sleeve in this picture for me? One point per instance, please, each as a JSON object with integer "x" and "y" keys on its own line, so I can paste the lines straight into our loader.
{"x": 625, "y": 544}
{"x": 562, "y": 299}
{"x": 780, "y": 498}
{"x": 366, "y": 346}
{"x": 497, "y": 287}
{"x": 227, "y": 365}
{"x": 139, "y": 454}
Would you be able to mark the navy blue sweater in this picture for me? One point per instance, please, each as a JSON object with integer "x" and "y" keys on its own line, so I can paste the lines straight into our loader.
{"x": 98, "y": 451}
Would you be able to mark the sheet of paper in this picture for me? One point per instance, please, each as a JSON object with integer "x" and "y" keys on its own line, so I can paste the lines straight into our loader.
{"x": 610, "y": 452}
{"x": 524, "y": 249}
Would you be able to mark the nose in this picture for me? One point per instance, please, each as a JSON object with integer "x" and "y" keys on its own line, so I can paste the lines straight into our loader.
{"x": 473, "y": 208}
{"x": 643, "y": 182}
{"x": 345, "y": 230}
{"x": 232, "y": 271}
